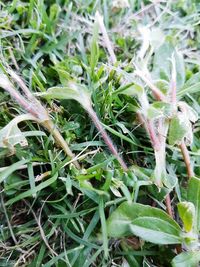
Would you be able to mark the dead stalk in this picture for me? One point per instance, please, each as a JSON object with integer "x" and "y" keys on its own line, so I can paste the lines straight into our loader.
{"x": 49, "y": 125}
{"x": 168, "y": 205}
{"x": 186, "y": 157}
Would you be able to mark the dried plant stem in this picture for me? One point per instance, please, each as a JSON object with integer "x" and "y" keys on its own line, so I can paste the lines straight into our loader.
{"x": 8, "y": 221}
{"x": 186, "y": 157}
{"x": 43, "y": 236}
{"x": 168, "y": 205}
{"x": 106, "y": 138}
{"x": 49, "y": 125}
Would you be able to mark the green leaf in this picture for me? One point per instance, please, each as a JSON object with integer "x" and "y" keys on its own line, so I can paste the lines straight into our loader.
{"x": 187, "y": 259}
{"x": 159, "y": 109}
{"x": 63, "y": 75}
{"x": 74, "y": 91}
{"x": 133, "y": 90}
{"x": 180, "y": 69}
{"x": 94, "y": 47}
{"x": 162, "y": 64}
{"x": 194, "y": 197}
{"x": 33, "y": 191}
{"x": 157, "y": 37}
{"x": 12, "y": 168}
{"x": 188, "y": 111}
{"x": 178, "y": 129}
{"x": 186, "y": 212}
{"x": 54, "y": 12}
{"x": 103, "y": 227}
{"x": 87, "y": 185}
{"x": 153, "y": 37}
{"x": 191, "y": 86}
{"x": 150, "y": 224}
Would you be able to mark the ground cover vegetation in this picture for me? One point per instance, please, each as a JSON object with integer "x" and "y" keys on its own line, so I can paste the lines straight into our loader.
{"x": 99, "y": 133}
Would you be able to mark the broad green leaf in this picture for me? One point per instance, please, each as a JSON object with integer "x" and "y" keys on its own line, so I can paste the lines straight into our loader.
{"x": 154, "y": 230}
{"x": 186, "y": 212}
{"x": 74, "y": 91}
{"x": 188, "y": 111}
{"x": 157, "y": 37}
{"x": 159, "y": 109}
{"x": 150, "y": 224}
{"x": 194, "y": 197}
{"x": 162, "y": 64}
{"x": 133, "y": 90}
{"x": 153, "y": 37}
{"x": 170, "y": 181}
{"x": 178, "y": 129}
{"x": 163, "y": 85}
{"x": 187, "y": 259}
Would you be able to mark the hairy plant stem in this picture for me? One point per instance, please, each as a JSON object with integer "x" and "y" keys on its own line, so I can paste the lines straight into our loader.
{"x": 35, "y": 108}
{"x": 106, "y": 39}
{"x": 152, "y": 134}
{"x": 148, "y": 124}
{"x": 159, "y": 156}
{"x": 105, "y": 137}
{"x": 186, "y": 157}
{"x": 182, "y": 146}
{"x": 19, "y": 98}
{"x": 157, "y": 93}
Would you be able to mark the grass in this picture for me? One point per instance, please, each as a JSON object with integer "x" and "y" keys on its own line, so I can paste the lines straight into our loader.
{"x": 63, "y": 174}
